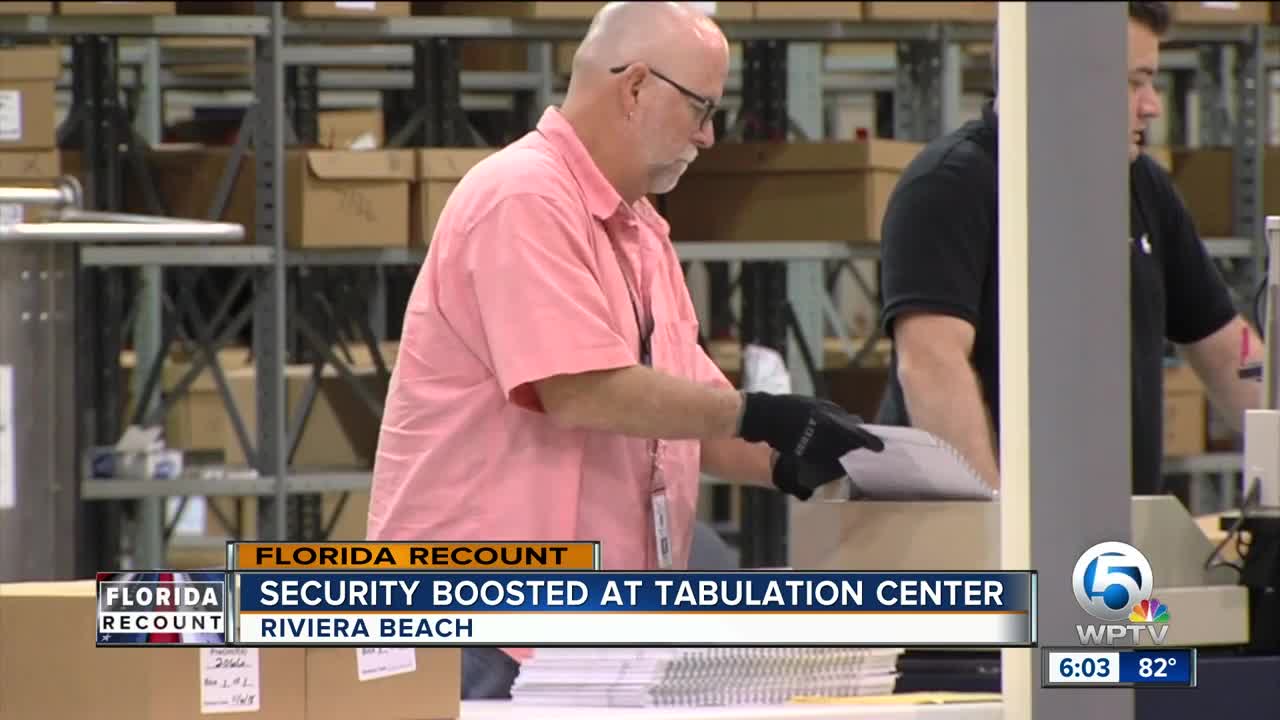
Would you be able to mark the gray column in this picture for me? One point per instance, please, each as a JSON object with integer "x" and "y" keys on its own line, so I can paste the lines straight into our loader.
{"x": 148, "y": 330}
{"x": 39, "y": 465}
{"x": 1064, "y": 299}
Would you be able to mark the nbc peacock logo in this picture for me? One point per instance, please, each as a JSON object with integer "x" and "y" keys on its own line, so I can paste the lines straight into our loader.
{"x": 1150, "y": 611}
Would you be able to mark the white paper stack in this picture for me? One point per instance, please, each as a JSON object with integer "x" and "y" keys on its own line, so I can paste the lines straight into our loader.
{"x": 646, "y": 677}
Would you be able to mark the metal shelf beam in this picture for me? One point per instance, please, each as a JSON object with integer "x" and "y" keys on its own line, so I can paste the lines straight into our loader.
{"x": 1232, "y": 247}
{"x": 478, "y": 27}
{"x": 213, "y": 486}
{"x": 193, "y": 485}
{"x": 134, "y": 26}
{"x": 174, "y": 255}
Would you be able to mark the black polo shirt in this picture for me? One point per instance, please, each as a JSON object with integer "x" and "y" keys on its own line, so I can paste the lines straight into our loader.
{"x": 939, "y": 250}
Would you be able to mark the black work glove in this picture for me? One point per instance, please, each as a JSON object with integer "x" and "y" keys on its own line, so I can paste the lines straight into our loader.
{"x": 799, "y": 478}
{"x": 815, "y": 432}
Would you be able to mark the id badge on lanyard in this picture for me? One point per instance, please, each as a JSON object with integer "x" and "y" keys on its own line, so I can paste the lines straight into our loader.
{"x": 661, "y": 519}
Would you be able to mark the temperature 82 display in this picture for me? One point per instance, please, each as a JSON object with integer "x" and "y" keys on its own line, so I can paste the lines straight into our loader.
{"x": 1119, "y": 667}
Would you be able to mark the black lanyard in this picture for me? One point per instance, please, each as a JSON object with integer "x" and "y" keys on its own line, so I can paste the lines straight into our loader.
{"x": 646, "y": 335}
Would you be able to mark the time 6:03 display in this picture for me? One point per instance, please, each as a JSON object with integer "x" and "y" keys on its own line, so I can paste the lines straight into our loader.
{"x": 1084, "y": 667}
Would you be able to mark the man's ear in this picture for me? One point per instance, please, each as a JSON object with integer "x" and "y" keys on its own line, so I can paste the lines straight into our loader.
{"x": 632, "y": 79}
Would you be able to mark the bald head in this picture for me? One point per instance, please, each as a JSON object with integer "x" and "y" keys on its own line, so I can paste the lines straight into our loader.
{"x": 670, "y": 34}
{"x": 646, "y": 80}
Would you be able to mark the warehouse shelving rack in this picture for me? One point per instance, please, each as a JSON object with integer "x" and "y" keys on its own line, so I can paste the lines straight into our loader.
{"x": 781, "y": 77}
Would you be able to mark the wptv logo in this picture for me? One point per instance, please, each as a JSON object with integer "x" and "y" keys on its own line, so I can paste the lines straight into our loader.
{"x": 1113, "y": 582}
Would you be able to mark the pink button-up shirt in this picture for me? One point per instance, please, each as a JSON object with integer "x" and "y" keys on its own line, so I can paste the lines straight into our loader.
{"x": 523, "y": 281}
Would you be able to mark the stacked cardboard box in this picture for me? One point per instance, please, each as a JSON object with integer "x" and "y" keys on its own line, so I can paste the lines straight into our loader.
{"x": 316, "y": 10}
{"x": 1230, "y": 13}
{"x": 333, "y": 199}
{"x": 50, "y": 668}
{"x": 106, "y": 9}
{"x": 930, "y": 11}
{"x": 1204, "y": 178}
{"x": 341, "y": 430}
{"x": 438, "y": 173}
{"x": 26, "y": 8}
{"x": 1185, "y": 413}
{"x": 780, "y": 192}
{"x": 28, "y": 150}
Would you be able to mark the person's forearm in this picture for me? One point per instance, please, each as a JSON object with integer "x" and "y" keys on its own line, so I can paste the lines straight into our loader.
{"x": 945, "y": 399}
{"x": 738, "y": 462}
{"x": 1217, "y": 360}
{"x": 641, "y": 402}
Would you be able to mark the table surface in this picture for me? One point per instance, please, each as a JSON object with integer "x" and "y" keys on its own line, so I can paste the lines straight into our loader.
{"x": 506, "y": 710}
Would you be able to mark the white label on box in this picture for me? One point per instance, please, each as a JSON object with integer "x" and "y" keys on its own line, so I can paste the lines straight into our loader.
{"x": 1221, "y": 5}
{"x": 8, "y": 477}
{"x": 374, "y": 663}
{"x": 357, "y": 5}
{"x": 707, "y": 8}
{"x": 10, "y": 214}
{"x": 10, "y": 115}
{"x": 229, "y": 680}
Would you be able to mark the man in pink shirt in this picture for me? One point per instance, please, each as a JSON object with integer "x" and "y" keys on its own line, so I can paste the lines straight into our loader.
{"x": 550, "y": 385}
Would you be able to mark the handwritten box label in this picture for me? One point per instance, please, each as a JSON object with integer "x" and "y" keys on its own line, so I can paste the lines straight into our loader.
{"x": 374, "y": 663}
{"x": 229, "y": 680}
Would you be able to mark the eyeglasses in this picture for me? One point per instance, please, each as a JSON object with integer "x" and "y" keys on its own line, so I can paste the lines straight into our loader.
{"x": 707, "y": 105}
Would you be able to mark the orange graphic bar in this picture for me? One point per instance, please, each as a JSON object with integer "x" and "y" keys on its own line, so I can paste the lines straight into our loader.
{"x": 414, "y": 556}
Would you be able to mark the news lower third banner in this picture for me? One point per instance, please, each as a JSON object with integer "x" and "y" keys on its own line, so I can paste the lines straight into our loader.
{"x": 474, "y": 595}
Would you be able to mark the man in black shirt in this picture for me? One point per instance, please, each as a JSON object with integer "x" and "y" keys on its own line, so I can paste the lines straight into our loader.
{"x": 939, "y": 283}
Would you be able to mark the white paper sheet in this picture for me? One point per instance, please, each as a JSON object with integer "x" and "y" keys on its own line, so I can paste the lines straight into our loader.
{"x": 10, "y": 115}
{"x": 764, "y": 370}
{"x": 229, "y": 680}
{"x": 914, "y": 465}
{"x": 374, "y": 663}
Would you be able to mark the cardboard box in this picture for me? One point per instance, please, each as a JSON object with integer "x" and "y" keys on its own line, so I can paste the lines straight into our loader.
{"x": 26, "y": 168}
{"x": 26, "y": 8}
{"x": 1230, "y": 13}
{"x": 198, "y": 418}
{"x": 1185, "y": 412}
{"x": 777, "y": 192}
{"x": 808, "y": 10}
{"x": 302, "y": 9}
{"x": 117, "y": 8}
{"x": 27, "y": 109}
{"x": 742, "y": 10}
{"x": 1162, "y": 155}
{"x": 339, "y": 129}
{"x": 932, "y": 11}
{"x": 526, "y": 10}
{"x": 415, "y": 684}
{"x": 341, "y": 430}
{"x": 733, "y": 10}
{"x": 1204, "y": 179}
{"x": 346, "y": 9}
{"x": 438, "y": 173}
{"x": 351, "y": 517}
{"x": 49, "y": 667}
{"x": 333, "y": 198}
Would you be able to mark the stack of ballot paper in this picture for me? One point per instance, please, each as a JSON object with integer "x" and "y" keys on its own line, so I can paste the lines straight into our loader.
{"x": 914, "y": 465}
{"x": 647, "y": 677}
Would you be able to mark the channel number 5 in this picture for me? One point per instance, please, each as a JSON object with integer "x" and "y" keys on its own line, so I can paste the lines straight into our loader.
{"x": 1111, "y": 571}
